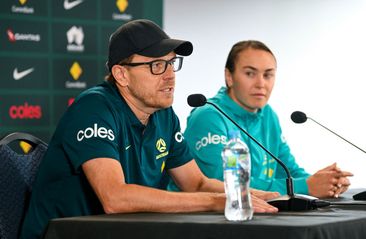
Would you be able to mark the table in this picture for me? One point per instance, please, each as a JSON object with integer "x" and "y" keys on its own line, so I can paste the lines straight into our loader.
{"x": 332, "y": 222}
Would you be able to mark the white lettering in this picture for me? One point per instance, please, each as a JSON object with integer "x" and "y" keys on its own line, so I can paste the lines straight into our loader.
{"x": 80, "y": 135}
{"x": 102, "y": 133}
{"x": 210, "y": 139}
{"x": 110, "y": 135}
{"x": 27, "y": 37}
{"x": 126, "y": 17}
{"x": 25, "y": 10}
{"x": 88, "y": 133}
{"x": 179, "y": 137}
{"x": 76, "y": 85}
{"x": 77, "y": 48}
{"x": 95, "y": 132}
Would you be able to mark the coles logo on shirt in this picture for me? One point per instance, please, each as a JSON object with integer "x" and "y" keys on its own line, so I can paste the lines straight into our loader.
{"x": 95, "y": 132}
{"x": 210, "y": 139}
{"x": 179, "y": 137}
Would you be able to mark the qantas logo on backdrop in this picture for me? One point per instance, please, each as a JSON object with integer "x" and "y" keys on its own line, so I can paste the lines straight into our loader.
{"x": 75, "y": 38}
{"x": 68, "y": 4}
{"x": 22, "y": 36}
{"x": 95, "y": 132}
{"x": 25, "y": 111}
{"x": 211, "y": 139}
{"x": 17, "y": 75}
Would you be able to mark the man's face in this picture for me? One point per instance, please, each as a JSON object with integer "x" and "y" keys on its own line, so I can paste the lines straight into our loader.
{"x": 251, "y": 83}
{"x": 148, "y": 91}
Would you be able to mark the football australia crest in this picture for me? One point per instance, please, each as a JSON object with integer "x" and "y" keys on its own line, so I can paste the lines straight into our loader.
{"x": 161, "y": 147}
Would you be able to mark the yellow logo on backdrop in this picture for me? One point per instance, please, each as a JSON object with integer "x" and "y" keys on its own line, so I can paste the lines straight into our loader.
{"x": 76, "y": 70}
{"x": 122, "y": 5}
{"x": 22, "y": 1}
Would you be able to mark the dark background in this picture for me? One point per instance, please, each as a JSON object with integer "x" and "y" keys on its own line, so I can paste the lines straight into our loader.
{"x": 36, "y": 102}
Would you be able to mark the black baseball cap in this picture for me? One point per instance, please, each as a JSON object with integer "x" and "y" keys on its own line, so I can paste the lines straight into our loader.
{"x": 145, "y": 38}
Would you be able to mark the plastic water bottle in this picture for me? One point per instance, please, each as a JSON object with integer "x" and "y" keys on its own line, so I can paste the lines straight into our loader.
{"x": 236, "y": 163}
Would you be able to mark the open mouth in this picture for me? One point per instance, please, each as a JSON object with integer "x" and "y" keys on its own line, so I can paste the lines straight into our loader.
{"x": 168, "y": 89}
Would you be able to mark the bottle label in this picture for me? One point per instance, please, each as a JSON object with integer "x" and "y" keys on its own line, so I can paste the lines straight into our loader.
{"x": 231, "y": 161}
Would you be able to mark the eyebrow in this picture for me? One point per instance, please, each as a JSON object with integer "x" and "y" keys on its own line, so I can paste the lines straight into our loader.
{"x": 255, "y": 69}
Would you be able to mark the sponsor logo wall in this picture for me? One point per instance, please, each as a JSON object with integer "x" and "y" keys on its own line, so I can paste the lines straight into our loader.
{"x": 52, "y": 50}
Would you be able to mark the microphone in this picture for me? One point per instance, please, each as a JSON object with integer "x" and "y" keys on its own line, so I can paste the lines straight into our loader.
{"x": 299, "y": 117}
{"x": 289, "y": 202}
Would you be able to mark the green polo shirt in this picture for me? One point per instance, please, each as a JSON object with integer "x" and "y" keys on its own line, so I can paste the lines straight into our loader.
{"x": 100, "y": 124}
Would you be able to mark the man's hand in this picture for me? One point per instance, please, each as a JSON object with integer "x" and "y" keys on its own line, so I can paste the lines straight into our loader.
{"x": 330, "y": 181}
{"x": 258, "y": 201}
{"x": 265, "y": 195}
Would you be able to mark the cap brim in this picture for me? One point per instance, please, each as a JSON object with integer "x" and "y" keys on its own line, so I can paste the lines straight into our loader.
{"x": 164, "y": 47}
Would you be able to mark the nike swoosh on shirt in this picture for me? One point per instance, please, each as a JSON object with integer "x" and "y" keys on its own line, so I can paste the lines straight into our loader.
{"x": 19, "y": 75}
{"x": 128, "y": 147}
{"x": 69, "y": 5}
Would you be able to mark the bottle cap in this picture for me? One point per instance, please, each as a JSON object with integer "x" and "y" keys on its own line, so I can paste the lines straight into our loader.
{"x": 233, "y": 134}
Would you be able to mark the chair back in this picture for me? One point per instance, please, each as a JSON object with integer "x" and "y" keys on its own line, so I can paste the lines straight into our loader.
{"x": 17, "y": 173}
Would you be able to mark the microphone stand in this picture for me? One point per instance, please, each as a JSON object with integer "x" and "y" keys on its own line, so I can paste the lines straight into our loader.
{"x": 337, "y": 135}
{"x": 291, "y": 201}
{"x": 302, "y": 118}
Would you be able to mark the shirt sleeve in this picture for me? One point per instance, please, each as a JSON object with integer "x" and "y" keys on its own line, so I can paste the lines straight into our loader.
{"x": 297, "y": 173}
{"x": 283, "y": 152}
{"x": 279, "y": 185}
{"x": 206, "y": 134}
{"x": 276, "y": 143}
{"x": 180, "y": 153}
{"x": 91, "y": 131}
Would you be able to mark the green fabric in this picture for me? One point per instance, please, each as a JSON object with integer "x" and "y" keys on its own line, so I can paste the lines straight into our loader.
{"x": 207, "y": 133}
{"x": 100, "y": 124}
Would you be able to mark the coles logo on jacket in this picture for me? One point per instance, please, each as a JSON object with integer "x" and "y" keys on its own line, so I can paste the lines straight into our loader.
{"x": 211, "y": 139}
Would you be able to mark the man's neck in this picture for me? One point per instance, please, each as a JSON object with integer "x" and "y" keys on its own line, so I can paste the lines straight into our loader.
{"x": 142, "y": 114}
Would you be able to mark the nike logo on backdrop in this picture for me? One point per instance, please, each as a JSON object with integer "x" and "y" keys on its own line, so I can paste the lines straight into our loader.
{"x": 19, "y": 75}
{"x": 69, "y": 5}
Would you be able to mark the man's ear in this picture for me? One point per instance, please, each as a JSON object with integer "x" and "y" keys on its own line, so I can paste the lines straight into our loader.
{"x": 228, "y": 78}
{"x": 120, "y": 74}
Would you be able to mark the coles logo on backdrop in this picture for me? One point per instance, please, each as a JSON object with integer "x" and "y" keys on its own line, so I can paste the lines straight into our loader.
{"x": 25, "y": 111}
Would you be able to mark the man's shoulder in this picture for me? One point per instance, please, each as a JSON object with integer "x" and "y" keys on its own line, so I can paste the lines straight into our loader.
{"x": 98, "y": 96}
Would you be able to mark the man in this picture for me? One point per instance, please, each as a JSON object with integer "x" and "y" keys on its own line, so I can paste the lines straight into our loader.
{"x": 250, "y": 76}
{"x": 115, "y": 145}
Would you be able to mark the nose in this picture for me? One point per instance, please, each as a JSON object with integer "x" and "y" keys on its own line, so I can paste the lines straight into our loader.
{"x": 169, "y": 72}
{"x": 260, "y": 82}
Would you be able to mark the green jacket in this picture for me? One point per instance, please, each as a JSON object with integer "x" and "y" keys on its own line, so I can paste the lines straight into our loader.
{"x": 208, "y": 131}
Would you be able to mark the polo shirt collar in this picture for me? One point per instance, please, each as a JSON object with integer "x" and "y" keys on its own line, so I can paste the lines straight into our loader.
{"x": 126, "y": 109}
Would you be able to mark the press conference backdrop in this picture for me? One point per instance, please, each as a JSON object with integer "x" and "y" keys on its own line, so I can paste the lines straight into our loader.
{"x": 320, "y": 50}
{"x": 51, "y": 50}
